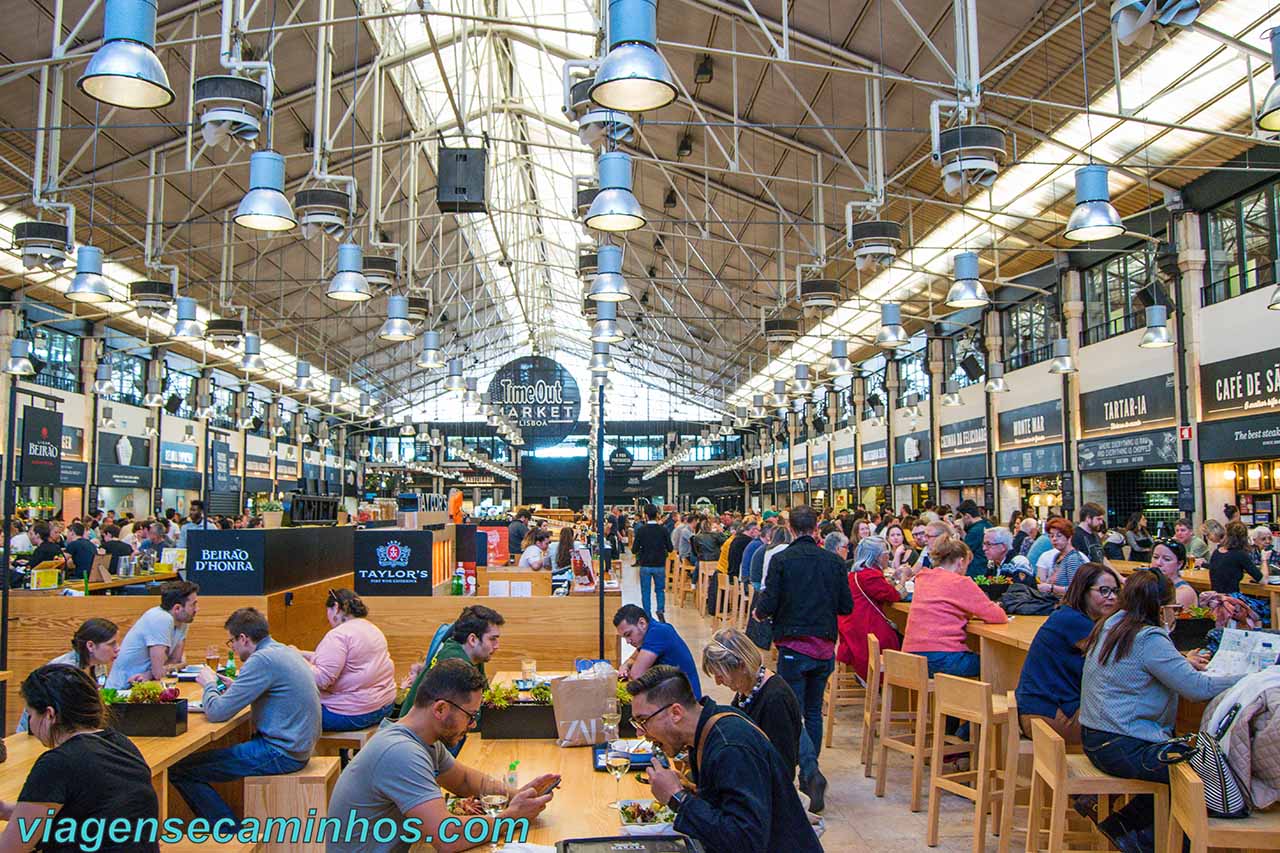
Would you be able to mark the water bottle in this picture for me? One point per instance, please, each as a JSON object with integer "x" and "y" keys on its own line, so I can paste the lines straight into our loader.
{"x": 456, "y": 587}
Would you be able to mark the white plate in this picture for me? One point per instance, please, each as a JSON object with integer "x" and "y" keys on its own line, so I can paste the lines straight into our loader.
{"x": 198, "y": 707}
{"x": 632, "y": 746}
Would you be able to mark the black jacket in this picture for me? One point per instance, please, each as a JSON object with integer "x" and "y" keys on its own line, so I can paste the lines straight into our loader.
{"x": 651, "y": 544}
{"x": 745, "y": 799}
{"x": 739, "y": 544}
{"x": 806, "y": 589}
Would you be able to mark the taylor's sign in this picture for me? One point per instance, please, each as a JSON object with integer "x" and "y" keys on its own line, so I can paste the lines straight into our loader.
{"x": 540, "y": 396}
{"x": 41, "y": 455}
{"x": 393, "y": 562}
{"x": 1031, "y": 424}
{"x": 1243, "y": 384}
{"x": 1128, "y": 406}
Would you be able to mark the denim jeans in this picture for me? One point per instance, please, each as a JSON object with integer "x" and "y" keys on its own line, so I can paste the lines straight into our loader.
{"x": 331, "y": 722}
{"x": 657, "y": 577}
{"x": 807, "y": 678}
{"x": 962, "y": 664}
{"x": 255, "y": 757}
{"x": 1129, "y": 758}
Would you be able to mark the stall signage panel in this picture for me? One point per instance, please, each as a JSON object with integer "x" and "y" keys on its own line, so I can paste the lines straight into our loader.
{"x": 1134, "y": 450}
{"x": 1025, "y": 462}
{"x": 286, "y": 461}
{"x": 1128, "y": 406}
{"x": 72, "y": 441}
{"x": 912, "y": 472}
{"x": 393, "y": 562}
{"x": 1186, "y": 487}
{"x": 177, "y": 456}
{"x": 1241, "y": 384}
{"x": 220, "y": 452}
{"x": 913, "y": 447}
{"x": 797, "y": 485}
{"x": 845, "y": 458}
{"x": 41, "y": 456}
{"x": 310, "y": 471}
{"x": 784, "y": 468}
{"x": 122, "y": 461}
{"x": 873, "y": 477}
{"x": 818, "y": 463}
{"x": 845, "y": 480}
{"x": 1240, "y": 438}
{"x": 620, "y": 460}
{"x": 962, "y": 437}
{"x": 963, "y": 469}
{"x": 1029, "y": 424}
{"x": 257, "y": 466}
{"x": 227, "y": 562}
{"x": 875, "y": 453}
{"x": 73, "y": 473}
{"x": 540, "y": 395}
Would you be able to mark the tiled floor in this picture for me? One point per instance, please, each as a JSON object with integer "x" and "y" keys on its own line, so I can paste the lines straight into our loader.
{"x": 856, "y": 819}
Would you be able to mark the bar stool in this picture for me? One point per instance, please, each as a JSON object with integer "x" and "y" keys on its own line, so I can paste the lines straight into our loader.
{"x": 971, "y": 701}
{"x": 684, "y": 583}
{"x": 907, "y": 674}
{"x": 1057, "y": 776}
{"x": 843, "y": 690}
{"x": 871, "y": 707}
{"x": 746, "y": 598}
{"x": 672, "y": 574}
{"x": 1188, "y": 817}
{"x": 706, "y": 571}
{"x": 726, "y": 598}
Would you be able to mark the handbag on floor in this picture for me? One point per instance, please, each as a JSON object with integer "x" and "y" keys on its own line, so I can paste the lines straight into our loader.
{"x": 1224, "y": 796}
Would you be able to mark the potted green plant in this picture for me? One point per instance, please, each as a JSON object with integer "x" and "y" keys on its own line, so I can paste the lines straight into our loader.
{"x": 504, "y": 715}
{"x": 272, "y": 513}
{"x": 148, "y": 709}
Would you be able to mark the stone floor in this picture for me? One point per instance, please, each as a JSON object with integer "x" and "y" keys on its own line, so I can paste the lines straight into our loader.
{"x": 856, "y": 819}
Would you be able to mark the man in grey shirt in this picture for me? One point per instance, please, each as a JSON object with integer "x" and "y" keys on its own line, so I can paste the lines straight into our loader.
{"x": 157, "y": 641}
{"x": 398, "y": 775}
{"x": 279, "y": 685}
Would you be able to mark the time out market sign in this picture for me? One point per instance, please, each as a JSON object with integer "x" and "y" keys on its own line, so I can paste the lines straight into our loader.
{"x": 540, "y": 396}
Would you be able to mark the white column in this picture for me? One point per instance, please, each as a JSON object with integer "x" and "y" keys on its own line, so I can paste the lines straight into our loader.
{"x": 1191, "y": 263}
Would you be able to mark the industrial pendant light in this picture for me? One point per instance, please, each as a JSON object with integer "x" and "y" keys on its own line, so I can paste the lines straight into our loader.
{"x": 1062, "y": 363}
{"x": 781, "y": 402}
{"x": 102, "y": 383}
{"x": 1274, "y": 304}
{"x": 245, "y": 420}
{"x": 967, "y": 291}
{"x": 758, "y": 409}
{"x": 406, "y": 428}
{"x": 19, "y": 363}
{"x": 366, "y": 404}
{"x": 151, "y": 430}
{"x": 632, "y": 77}
{"x": 839, "y": 364}
{"x": 608, "y": 284}
{"x": 471, "y": 396}
{"x": 615, "y": 207}
{"x": 431, "y": 358}
{"x": 107, "y": 420}
{"x": 891, "y": 334}
{"x": 801, "y": 385}
{"x": 605, "y": 330}
{"x": 1269, "y": 109}
{"x": 455, "y": 382}
{"x": 264, "y": 207}
{"x": 1094, "y": 217}
{"x": 951, "y": 398}
{"x": 187, "y": 327}
{"x": 397, "y": 326}
{"x": 252, "y": 358}
{"x": 204, "y": 407}
{"x": 125, "y": 71}
{"x": 335, "y": 391}
{"x": 302, "y": 377}
{"x": 348, "y": 283}
{"x": 600, "y": 360}
{"x": 995, "y": 379}
{"x": 1157, "y": 335}
{"x": 88, "y": 285}
{"x": 154, "y": 397}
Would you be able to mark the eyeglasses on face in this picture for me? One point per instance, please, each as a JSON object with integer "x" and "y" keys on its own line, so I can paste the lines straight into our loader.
{"x": 472, "y": 716}
{"x": 642, "y": 722}
{"x": 1105, "y": 591}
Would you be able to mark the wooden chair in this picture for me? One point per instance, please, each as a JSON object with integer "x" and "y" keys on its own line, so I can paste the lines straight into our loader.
{"x": 672, "y": 574}
{"x": 726, "y": 598}
{"x": 843, "y": 691}
{"x": 1015, "y": 746}
{"x": 1188, "y": 818}
{"x": 871, "y": 707}
{"x": 685, "y": 586}
{"x": 746, "y": 597}
{"x": 706, "y": 571}
{"x": 1057, "y": 776}
{"x": 292, "y": 794}
{"x": 971, "y": 701}
{"x": 904, "y": 674}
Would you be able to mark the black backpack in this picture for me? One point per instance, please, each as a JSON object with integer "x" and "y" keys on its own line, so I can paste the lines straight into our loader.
{"x": 1024, "y": 600}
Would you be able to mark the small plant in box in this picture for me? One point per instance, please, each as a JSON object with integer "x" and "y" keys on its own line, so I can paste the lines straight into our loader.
{"x": 505, "y": 715}
{"x": 148, "y": 709}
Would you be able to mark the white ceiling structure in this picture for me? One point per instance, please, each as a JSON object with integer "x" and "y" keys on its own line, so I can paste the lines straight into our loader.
{"x": 781, "y": 137}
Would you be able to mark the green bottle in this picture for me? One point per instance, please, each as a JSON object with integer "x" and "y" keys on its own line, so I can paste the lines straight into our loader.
{"x": 230, "y": 671}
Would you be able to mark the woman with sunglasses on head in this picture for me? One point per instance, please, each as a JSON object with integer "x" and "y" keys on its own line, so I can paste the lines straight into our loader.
{"x": 65, "y": 784}
{"x": 1168, "y": 556}
{"x": 352, "y": 666}
{"x": 1049, "y": 686}
{"x": 94, "y": 647}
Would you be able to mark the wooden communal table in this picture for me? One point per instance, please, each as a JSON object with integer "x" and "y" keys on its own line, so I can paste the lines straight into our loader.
{"x": 1003, "y": 648}
{"x": 1199, "y": 580}
{"x": 101, "y": 586}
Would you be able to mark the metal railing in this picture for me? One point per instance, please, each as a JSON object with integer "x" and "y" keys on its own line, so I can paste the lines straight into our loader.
{"x": 59, "y": 377}
{"x": 1027, "y": 357}
{"x": 1110, "y": 328}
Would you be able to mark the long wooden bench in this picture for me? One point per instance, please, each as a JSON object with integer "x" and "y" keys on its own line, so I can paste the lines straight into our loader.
{"x": 290, "y": 795}
{"x": 331, "y": 742}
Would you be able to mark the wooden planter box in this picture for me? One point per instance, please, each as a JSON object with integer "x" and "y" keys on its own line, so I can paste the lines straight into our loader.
{"x": 272, "y": 518}
{"x": 518, "y": 720}
{"x": 1188, "y": 634}
{"x": 158, "y": 719}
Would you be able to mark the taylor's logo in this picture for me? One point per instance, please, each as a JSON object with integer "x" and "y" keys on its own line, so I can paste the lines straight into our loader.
{"x": 393, "y": 555}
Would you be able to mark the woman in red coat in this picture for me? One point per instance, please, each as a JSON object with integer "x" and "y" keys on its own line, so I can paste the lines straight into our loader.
{"x": 871, "y": 594}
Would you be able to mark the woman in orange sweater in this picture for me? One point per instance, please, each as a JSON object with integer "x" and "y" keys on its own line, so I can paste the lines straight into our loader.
{"x": 944, "y": 602}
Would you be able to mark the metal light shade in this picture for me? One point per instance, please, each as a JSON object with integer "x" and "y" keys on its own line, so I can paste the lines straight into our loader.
{"x": 472, "y": 395}
{"x": 264, "y": 207}
{"x": 431, "y": 358}
{"x": 1274, "y": 304}
{"x": 397, "y": 326}
{"x": 995, "y": 379}
{"x": 348, "y": 283}
{"x": 187, "y": 327}
{"x": 406, "y": 428}
{"x": 758, "y": 409}
{"x": 1094, "y": 218}
{"x": 88, "y": 284}
{"x": 1269, "y": 110}
{"x": 1157, "y": 335}
{"x": 335, "y": 390}
{"x": 967, "y": 291}
{"x": 19, "y": 363}
{"x": 600, "y": 360}
{"x": 951, "y": 398}
{"x": 802, "y": 384}
{"x": 605, "y": 330}
{"x": 455, "y": 382}
{"x": 780, "y": 398}
{"x": 1062, "y": 362}
{"x": 302, "y": 377}
{"x": 125, "y": 71}
{"x": 204, "y": 407}
{"x": 252, "y": 358}
{"x": 615, "y": 207}
{"x": 366, "y": 403}
{"x": 632, "y": 77}
{"x": 891, "y": 334}
{"x": 102, "y": 383}
{"x": 839, "y": 364}
{"x": 609, "y": 284}
{"x": 154, "y": 397}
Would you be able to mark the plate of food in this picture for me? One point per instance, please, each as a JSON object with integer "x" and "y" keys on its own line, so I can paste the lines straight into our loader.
{"x": 465, "y": 806}
{"x": 645, "y": 817}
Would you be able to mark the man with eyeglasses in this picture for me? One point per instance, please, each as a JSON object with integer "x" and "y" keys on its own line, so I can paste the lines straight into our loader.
{"x": 399, "y": 774}
{"x": 744, "y": 799}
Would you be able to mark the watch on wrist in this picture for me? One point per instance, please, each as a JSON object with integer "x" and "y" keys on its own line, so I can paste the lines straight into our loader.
{"x": 678, "y": 800}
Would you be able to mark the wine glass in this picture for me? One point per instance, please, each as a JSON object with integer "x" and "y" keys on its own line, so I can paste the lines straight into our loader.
{"x": 494, "y": 803}
{"x": 617, "y": 763}
{"x": 611, "y": 718}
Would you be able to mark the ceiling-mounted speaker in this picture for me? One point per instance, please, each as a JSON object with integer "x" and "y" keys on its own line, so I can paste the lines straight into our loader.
{"x": 256, "y": 423}
{"x": 972, "y": 367}
{"x": 172, "y": 404}
{"x": 460, "y": 176}
{"x": 874, "y": 400}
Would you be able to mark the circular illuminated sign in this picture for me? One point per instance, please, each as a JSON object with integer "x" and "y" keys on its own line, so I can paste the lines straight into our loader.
{"x": 539, "y": 396}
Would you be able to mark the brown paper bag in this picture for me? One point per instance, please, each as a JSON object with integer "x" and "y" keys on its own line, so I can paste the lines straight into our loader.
{"x": 579, "y": 705}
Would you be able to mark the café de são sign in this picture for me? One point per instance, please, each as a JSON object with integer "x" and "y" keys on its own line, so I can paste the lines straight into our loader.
{"x": 540, "y": 396}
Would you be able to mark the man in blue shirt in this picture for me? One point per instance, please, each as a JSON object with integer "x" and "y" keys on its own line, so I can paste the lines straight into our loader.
{"x": 656, "y": 643}
{"x": 80, "y": 549}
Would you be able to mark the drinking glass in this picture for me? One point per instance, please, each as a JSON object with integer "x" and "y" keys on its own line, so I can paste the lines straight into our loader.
{"x": 611, "y": 718}
{"x": 617, "y": 763}
{"x": 212, "y": 657}
{"x": 493, "y": 804}
{"x": 529, "y": 669}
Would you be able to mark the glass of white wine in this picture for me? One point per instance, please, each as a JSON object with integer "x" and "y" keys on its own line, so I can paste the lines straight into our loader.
{"x": 494, "y": 804}
{"x": 611, "y": 718}
{"x": 617, "y": 763}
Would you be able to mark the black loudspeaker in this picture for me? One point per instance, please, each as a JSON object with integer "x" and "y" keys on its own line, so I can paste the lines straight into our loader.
{"x": 256, "y": 423}
{"x": 1152, "y": 294}
{"x": 969, "y": 364}
{"x": 460, "y": 180}
{"x": 874, "y": 400}
{"x": 173, "y": 404}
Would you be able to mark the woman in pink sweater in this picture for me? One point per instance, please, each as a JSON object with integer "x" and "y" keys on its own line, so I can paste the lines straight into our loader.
{"x": 353, "y": 670}
{"x": 942, "y": 605}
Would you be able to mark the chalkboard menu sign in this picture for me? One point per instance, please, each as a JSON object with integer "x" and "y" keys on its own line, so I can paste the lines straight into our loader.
{"x": 1128, "y": 406}
{"x": 1029, "y": 461}
{"x": 1131, "y": 450}
{"x": 1186, "y": 487}
{"x": 393, "y": 562}
{"x": 1031, "y": 424}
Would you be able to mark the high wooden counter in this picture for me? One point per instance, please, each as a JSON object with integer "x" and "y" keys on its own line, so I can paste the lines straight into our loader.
{"x": 1199, "y": 580}
{"x": 1003, "y": 648}
{"x": 102, "y": 586}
